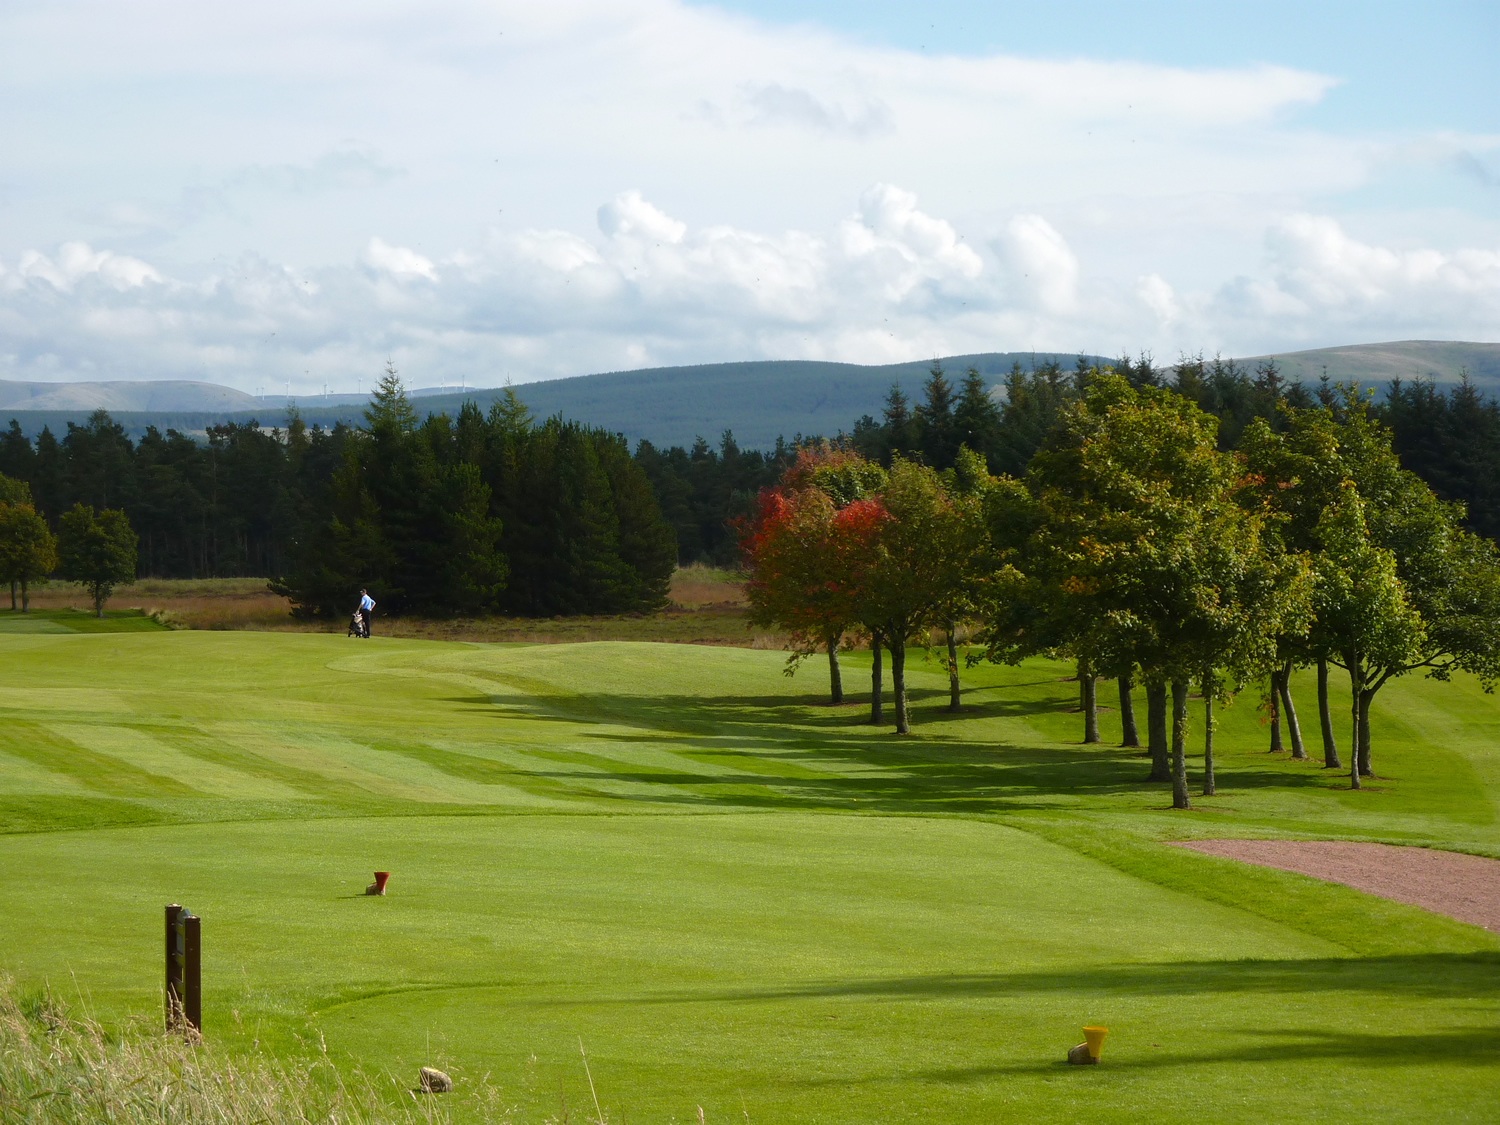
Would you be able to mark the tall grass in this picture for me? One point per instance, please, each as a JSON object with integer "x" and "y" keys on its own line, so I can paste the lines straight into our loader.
{"x": 60, "y": 1066}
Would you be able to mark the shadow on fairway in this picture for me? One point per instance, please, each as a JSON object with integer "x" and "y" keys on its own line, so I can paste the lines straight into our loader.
{"x": 1424, "y": 975}
{"x": 780, "y": 752}
{"x": 1463, "y": 1046}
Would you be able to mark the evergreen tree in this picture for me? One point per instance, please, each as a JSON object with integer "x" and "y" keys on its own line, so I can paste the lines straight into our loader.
{"x": 976, "y": 419}
{"x": 934, "y": 424}
{"x": 896, "y": 428}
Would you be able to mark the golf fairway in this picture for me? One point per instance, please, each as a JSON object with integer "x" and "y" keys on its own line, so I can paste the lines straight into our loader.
{"x": 735, "y": 896}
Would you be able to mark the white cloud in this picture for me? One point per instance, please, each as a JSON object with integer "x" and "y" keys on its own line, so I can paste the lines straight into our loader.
{"x": 890, "y": 281}
{"x": 747, "y": 177}
{"x": 1324, "y": 286}
{"x": 1044, "y": 269}
{"x": 75, "y": 261}
{"x": 1157, "y": 295}
{"x": 629, "y": 215}
{"x": 1319, "y": 263}
{"x": 398, "y": 261}
{"x": 775, "y": 104}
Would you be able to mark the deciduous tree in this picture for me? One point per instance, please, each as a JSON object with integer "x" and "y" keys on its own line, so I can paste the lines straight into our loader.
{"x": 1141, "y": 539}
{"x": 96, "y": 550}
{"x": 28, "y": 550}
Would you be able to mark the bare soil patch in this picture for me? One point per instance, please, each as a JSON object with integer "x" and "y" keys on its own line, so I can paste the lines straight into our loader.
{"x": 1466, "y": 887}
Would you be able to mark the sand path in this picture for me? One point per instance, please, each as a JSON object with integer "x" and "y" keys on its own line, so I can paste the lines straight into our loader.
{"x": 1466, "y": 887}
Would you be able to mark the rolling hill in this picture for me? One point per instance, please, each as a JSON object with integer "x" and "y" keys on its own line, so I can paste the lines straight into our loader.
{"x": 141, "y": 396}
{"x": 759, "y": 401}
{"x": 1377, "y": 364}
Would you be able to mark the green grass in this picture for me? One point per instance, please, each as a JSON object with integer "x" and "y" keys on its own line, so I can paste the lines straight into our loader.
{"x": 739, "y": 897}
{"x": 78, "y": 621}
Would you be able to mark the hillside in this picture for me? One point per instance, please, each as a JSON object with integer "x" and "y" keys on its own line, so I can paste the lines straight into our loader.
{"x": 760, "y": 401}
{"x": 144, "y": 395}
{"x": 1377, "y": 364}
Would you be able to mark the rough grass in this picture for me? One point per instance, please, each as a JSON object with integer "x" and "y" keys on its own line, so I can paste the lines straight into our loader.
{"x": 706, "y": 606}
{"x": 57, "y": 1065}
{"x": 739, "y": 897}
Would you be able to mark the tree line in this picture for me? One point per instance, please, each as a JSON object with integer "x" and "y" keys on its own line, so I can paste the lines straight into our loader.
{"x": 473, "y": 514}
{"x": 1133, "y": 542}
{"x": 1450, "y": 437}
{"x": 250, "y": 501}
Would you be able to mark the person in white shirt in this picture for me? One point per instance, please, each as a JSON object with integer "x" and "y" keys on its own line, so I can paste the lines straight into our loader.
{"x": 366, "y": 608}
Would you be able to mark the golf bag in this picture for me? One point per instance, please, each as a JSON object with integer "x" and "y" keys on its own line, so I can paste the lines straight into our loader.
{"x": 356, "y": 625}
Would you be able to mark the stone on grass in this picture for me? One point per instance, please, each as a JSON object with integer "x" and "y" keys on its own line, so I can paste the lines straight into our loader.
{"x": 374, "y": 889}
{"x": 1079, "y": 1056}
{"x": 434, "y": 1081}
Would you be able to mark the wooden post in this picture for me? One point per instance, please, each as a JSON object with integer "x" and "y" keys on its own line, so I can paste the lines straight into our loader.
{"x": 192, "y": 975}
{"x": 184, "y": 948}
{"x": 174, "y": 970}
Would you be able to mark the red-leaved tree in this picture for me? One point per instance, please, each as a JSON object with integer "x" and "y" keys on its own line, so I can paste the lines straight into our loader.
{"x": 801, "y": 555}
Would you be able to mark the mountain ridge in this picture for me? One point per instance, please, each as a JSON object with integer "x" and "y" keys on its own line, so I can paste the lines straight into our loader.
{"x": 759, "y": 400}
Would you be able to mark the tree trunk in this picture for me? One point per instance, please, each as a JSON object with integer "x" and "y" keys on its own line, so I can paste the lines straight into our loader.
{"x": 98, "y": 604}
{"x": 1088, "y": 691}
{"x": 835, "y": 677}
{"x": 1355, "y": 687}
{"x": 25, "y": 598}
{"x": 1129, "y": 736}
{"x": 875, "y": 699}
{"x": 1365, "y": 695}
{"x": 1179, "y": 745}
{"x": 952, "y": 669}
{"x": 1156, "y": 732}
{"x": 1276, "y": 746}
{"x": 13, "y": 595}
{"x": 898, "y": 684}
{"x": 1293, "y": 728}
{"x": 1325, "y": 719}
{"x": 1208, "y": 742}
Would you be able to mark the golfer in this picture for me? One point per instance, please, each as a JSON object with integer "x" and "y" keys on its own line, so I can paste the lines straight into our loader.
{"x": 366, "y": 608}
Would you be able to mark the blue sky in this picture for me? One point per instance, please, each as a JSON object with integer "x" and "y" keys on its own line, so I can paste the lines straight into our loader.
{"x": 1407, "y": 65}
{"x": 490, "y": 190}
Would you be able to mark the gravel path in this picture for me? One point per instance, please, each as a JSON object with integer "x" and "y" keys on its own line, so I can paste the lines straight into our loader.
{"x": 1466, "y": 887}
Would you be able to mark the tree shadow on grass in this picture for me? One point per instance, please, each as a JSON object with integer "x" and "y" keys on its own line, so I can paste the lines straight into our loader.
{"x": 1458, "y": 1046}
{"x": 793, "y": 754}
{"x": 1418, "y": 976}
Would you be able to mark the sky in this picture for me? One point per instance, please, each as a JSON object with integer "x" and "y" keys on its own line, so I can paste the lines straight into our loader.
{"x": 285, "y": 196}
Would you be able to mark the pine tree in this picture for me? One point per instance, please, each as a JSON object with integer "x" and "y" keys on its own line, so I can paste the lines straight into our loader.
{"x": 934, "y": 420}
{"x": 896, "y": 428}
{"x": 976, "y": 418}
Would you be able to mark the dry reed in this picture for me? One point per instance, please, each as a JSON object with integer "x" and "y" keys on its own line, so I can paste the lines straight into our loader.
{"x": 57, "y": 1066}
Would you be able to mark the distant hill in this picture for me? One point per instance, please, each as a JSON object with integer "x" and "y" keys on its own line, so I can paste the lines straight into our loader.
{"x": 146, "y": 395}
{"x": 1377, "y": 364}
{"x": 759, "y": 401}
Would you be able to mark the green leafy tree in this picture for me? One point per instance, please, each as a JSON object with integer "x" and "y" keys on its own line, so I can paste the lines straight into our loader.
{"x": 1137, "y": 538}
{"x": 1363, "y": 609}
{"x": 900, "y": 579}
{"x": 1448, "y": 577}
{"x": 28, "y": 550}
{"x": 96, "y": 550}
{"x": 964, "y": 584}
